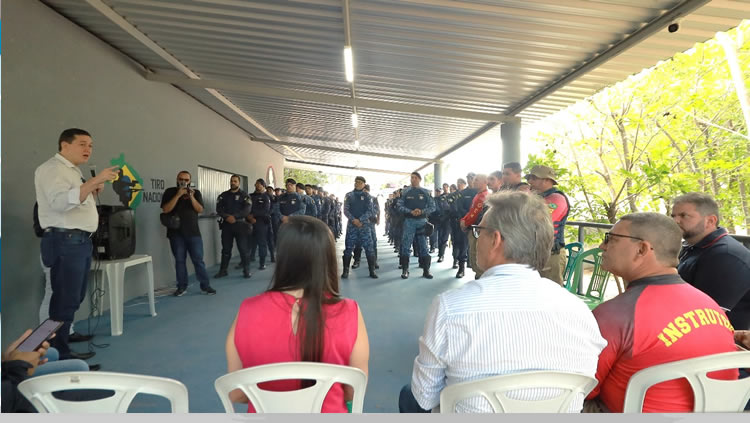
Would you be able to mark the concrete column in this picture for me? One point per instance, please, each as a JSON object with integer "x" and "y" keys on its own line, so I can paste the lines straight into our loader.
{"x": 510, "y": 133}
{"x": 438, "y": 175}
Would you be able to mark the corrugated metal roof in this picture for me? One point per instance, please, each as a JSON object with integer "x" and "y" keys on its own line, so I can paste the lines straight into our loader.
{"x": 423, "y": 64}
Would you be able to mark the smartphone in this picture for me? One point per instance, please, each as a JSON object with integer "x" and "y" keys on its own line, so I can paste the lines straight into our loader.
{"x": 39, "y": 335}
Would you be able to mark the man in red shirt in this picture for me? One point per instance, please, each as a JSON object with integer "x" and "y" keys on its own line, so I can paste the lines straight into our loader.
{"x": 542, "y": 181}
{"x": 471, "y": 218}
{"x": 659, "y": 318}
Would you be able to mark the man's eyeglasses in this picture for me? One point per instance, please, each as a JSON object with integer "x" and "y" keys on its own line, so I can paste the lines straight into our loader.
{"x": 608, "y": 235}
{"x": 475, "y": 229}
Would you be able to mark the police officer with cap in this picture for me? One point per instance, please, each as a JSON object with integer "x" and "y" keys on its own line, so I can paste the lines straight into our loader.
{"x": 374, "y": 221}
{"x": 233, "y": 206}
{"x": 415, "y": 204}
{"x": 290, "y": 203}
{"x": 358, "y": 210}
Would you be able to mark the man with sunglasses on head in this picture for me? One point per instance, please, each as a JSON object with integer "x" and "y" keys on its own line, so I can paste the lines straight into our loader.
{"x": 542, "y": 181}
{"x": 511, "y": 320}
{"x": 658, "y": 319}
{"x": 186, "y": 203}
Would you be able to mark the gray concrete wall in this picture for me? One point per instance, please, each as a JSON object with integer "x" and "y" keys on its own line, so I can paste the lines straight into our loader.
{"x": 56, "y": 75}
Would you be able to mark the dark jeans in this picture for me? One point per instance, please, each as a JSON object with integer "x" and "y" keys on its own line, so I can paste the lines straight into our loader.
{"x": 181, "y": 246}
{"x": 68, "y": 255}
{"x": 407, "y": 403}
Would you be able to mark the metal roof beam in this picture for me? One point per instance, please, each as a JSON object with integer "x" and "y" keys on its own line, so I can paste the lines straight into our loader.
{"x": 364, "y": 169}
{"x": 683, "y": 9}
{"x": 344, "y": 150}
{"x": 258, "y": 90}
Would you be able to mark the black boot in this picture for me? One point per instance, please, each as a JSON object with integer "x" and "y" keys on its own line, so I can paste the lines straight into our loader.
{"x": 426, "y": 260}
{"x": 376, "y": 259}
{"x": 347, "y": 260}
{"x": 371, "y": 266}
{"x": 262, "y": 264}
{"x": 441, "y": 254}
{"x": 404, "y": 267}
{"x": 455, "y": 264}
{"x": 357, "y": 257}
{"x": 461, "y": 268}
{"x": 223, "y": 267}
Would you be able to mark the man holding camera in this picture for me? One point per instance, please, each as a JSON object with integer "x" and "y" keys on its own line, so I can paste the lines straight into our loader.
{"x": 185, "y": 202}
{"x": 233, "y": 206}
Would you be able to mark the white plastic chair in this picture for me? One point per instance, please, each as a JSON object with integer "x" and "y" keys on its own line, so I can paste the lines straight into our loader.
{"x": 495, "y": 390}
{"x": 38, "y": 390}
{"x": 711, "y": 395}
{"x": 307, "y": 400}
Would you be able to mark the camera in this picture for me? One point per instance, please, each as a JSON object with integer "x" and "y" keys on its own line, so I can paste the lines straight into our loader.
{"x": 183, "y": 184}
{"x": 673, "y": 27}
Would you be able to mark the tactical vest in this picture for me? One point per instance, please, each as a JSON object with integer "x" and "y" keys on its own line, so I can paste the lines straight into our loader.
{"x": 261, "y": 204}
{"x": 289, "y": 203}
{"x": 415, "y": 198}
{"x": 358, "y": 203}
{"x": 559, "y": 225}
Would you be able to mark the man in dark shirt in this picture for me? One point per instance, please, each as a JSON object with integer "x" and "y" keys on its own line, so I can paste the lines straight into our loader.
{"x": 185, "y": 202}
{"x": 711, "y": 260}
{"x": 233, "y": 206}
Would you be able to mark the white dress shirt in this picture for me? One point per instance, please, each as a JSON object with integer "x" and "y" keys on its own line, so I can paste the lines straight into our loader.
{"x": 510, "y": 320}
{"x": 58, "y": 188}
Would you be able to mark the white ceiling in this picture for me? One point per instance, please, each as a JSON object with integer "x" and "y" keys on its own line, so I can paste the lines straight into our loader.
{"x": 429, "y": 75}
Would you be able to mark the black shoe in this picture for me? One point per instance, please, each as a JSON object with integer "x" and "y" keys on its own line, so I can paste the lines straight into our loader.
{"x": 404, "y": 267}
{"x": 262, "y": 267}
{"x": 377, "y": 266}
{"x": 461, "y": 269}
{"x": 221, "y": 274}
{"x": 82, "y": 356}
{"x": 432, "y": 250}
{"x": 247, "y": 275}
{"x": 94, "y": 367}
{"x": 346, "y": 260}
{"x": 425, "y": 262}
{"x": 78, "y": 337}
{"x": 455, "y": 264}
{"x": 209, "y": 291}
{"x": 355, "y": 264}
{"x": 179, "y": 292}
{"x": 440, "y": 259}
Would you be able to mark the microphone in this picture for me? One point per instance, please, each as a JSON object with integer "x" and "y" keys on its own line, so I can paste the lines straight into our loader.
{"x": 92, "y": 169}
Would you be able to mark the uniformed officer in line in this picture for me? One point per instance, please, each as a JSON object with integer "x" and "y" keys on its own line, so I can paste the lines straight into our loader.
{"x": 233, "y": 206}
{"x": 290, "y": 203}
{"x": 260, "y": 217}
{"x": 435, "y": 220}
{"x": 312, "y": 192}
{"x": 460, "y": 240}
{"x": 397, "y": 225}
{"x": 415, "y": 204}
{"x": 358, "y": 210}
{"x": 332, "y": 213}
{"x": 325, "y": 207}
{"x": 272, "y": 227}
{"x": 338, "y": 217}
{"x": 275, "y": 216}
{"x": 443, "y": 224}
{"x": 310, "y": 208}
{"x": 374, "y": 221}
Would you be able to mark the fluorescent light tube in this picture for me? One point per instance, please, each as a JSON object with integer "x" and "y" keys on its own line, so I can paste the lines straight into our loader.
{"x": 349, "y": 64}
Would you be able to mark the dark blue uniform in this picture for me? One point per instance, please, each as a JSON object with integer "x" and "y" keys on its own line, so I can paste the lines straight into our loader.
{"x": 413, "y": 198}
{"x": 261, "y": 212}
{"x": 291, "y": 204}
{"x": 235, "y": 204}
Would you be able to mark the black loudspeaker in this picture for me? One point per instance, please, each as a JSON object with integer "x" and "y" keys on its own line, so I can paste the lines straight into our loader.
{"x": 115, "y": 237}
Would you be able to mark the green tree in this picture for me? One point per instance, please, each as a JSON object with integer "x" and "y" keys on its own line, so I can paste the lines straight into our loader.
{"x": 674, "y": 128}
{"x": 306, "y": 176}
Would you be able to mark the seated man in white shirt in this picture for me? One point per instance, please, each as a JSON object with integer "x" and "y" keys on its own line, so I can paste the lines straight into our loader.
{"x": 511, "y": 320}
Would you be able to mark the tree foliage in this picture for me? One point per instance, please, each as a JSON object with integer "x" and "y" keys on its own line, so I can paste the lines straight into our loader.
{"x": 306, "y": 176}
{"x": 671, "y": 129}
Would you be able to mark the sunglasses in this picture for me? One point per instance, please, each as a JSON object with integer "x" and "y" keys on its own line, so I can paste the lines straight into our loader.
{"x": 608, "y": 235}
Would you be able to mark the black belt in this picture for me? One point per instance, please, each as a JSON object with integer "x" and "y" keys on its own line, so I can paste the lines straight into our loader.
{"x": 72, "y": 231}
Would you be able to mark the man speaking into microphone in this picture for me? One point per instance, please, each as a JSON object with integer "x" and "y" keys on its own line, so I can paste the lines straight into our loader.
{"x": 68, "y": 216}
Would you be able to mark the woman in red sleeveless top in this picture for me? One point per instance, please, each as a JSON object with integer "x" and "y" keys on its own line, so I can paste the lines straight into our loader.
{"x": 301, "y": 317}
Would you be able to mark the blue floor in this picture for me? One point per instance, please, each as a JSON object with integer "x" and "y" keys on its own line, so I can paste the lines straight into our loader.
{"x": 185, "y": 341}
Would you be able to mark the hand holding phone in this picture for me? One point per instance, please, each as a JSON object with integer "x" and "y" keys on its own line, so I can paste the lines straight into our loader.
{"x": 42, "y": 333}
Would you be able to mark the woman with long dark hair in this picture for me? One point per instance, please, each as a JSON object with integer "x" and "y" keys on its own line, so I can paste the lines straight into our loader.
{"x": 302, "y": 316}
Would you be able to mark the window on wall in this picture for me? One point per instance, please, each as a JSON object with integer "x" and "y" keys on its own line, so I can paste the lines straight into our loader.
{"x": 211, "y": 183}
